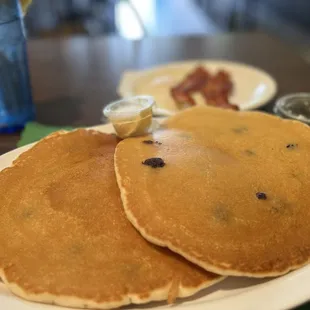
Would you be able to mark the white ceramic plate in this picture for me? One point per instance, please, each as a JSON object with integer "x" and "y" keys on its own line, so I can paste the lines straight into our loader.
{"x": 280, "y": 293}
{"x": 253, "y": 87}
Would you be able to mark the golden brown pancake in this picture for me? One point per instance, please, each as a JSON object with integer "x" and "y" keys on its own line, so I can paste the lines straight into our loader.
{"x": 233, "y": 195}
{"x": 64, "y": 237}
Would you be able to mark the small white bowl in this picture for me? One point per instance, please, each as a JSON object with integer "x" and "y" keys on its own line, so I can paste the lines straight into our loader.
{"x": 294, "y": 106}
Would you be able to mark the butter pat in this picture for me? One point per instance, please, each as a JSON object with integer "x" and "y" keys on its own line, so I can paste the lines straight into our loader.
{"x": 131, "y": 116}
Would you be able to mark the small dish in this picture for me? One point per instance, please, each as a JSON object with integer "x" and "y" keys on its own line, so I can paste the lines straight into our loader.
{"x": 294, "y": 106}
{"x": 131, "y": 116}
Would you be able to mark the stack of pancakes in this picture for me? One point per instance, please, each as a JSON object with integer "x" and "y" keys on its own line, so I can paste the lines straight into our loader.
{"x": 88, "y": 221}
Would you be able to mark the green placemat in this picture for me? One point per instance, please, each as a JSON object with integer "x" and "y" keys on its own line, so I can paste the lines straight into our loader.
{"x": 35, "y": 131}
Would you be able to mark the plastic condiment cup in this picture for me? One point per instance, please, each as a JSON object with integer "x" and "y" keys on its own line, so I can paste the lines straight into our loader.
{"x": 131, "y": 116}
{"x": 294, "y": 106}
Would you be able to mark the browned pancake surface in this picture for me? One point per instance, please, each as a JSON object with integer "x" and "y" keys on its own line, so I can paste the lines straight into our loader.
{"x": 204, "y": 203}
{"x": 64, "y": 237}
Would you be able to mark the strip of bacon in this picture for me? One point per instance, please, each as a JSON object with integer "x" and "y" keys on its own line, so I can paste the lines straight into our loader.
{"x": 215, "y": 89}
{"x": 218, "y": 84}
{"x": 222, "y": 101}
{"x": 194, "y": 81}
{"x": 182, "y": 98}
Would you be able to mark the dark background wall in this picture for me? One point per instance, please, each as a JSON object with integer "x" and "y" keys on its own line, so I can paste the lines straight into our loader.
{"x": 288, "y": 19}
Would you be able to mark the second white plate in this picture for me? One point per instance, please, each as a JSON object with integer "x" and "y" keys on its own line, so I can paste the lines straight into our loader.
{"x": 253, "y": 87}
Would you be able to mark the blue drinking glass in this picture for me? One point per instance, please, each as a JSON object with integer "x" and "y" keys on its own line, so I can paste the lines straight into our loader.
{"x": 16, "y": 106}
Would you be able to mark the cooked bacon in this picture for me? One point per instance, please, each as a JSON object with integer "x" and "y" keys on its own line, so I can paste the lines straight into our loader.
{"x": 182, "y": 98}
{"x": 215, "y": 89}
{"x": 229, "y": 106}
{"x": 222, "y": 102}
{"x": 194, "y": 81}
{"x": 218, "y": 84}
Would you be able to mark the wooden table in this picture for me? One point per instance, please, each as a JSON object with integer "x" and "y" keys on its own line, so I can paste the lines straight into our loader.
{"x": 74, "y": 78}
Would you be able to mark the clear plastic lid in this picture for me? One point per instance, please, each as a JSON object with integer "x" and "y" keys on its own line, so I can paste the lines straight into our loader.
{"x": 294, "y": 106}
{"x": 129, "y": 108}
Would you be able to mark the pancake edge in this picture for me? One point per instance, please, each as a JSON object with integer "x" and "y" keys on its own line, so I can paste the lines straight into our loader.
{"x": 159, "y": 294}
{"x": 225, "y": 272}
